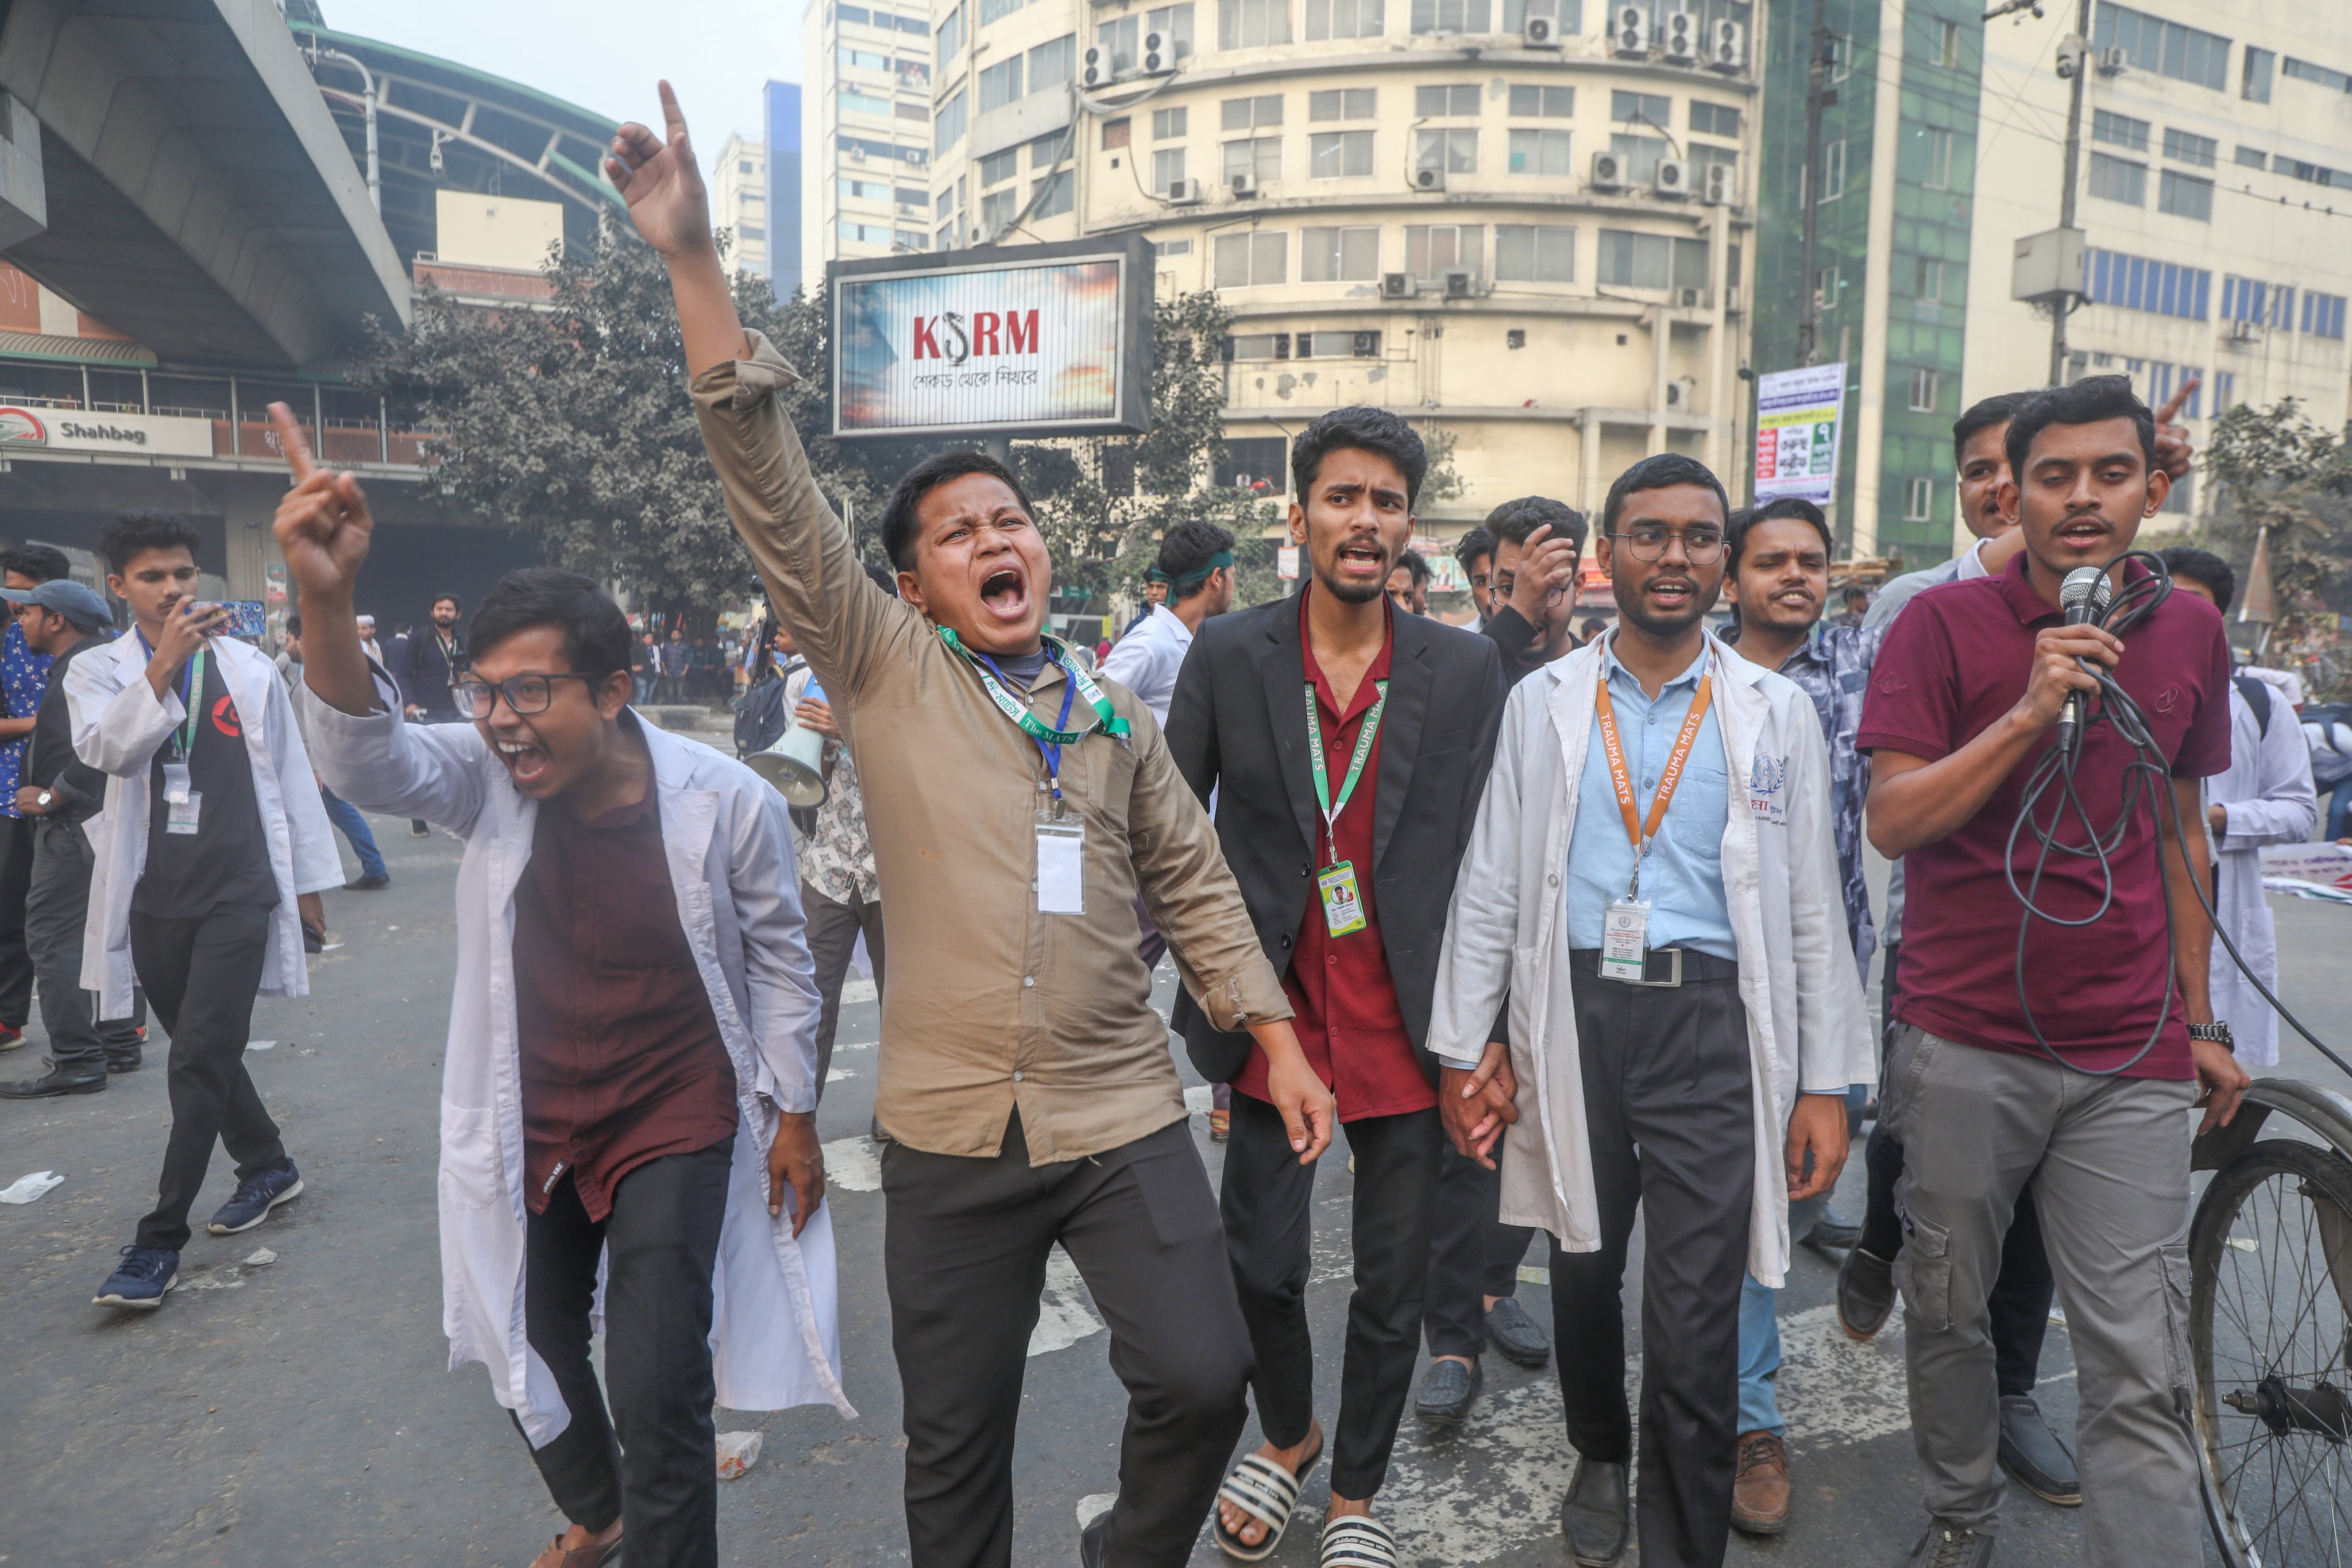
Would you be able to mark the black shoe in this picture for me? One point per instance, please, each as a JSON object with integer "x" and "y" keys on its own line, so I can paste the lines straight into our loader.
{"x": 418, "y": 829}
{"x": 1865, "y": 1293}
{"x": 1094, "y": 1543}
{"x": 1448, "y": 1392}
{"x": 1516, "y": 1335}
{"x": 1832, "y": 1240}
{"x": 2033, "y": 1455}
{"x": 1948, "y": 1546}
{"x": 50, "y": 1085}
{"x": 1594, "y": 1516}
{"x": 131, "y": 1063}
{"x": 376, "y": 883}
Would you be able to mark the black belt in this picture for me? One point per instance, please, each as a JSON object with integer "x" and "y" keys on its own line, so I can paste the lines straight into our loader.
{"x": 1662, "y": 966}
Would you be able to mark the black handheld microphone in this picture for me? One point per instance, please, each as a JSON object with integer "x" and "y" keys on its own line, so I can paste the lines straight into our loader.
{"x": 2081, "y": 597}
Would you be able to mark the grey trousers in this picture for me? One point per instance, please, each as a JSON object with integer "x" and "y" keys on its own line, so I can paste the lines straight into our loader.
{"x": 2109, "y": 1162}
{"x": 833, "y": 931}
{"x": 55, "y": 906}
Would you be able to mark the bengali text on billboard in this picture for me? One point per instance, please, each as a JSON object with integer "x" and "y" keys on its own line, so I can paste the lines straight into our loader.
{"x": 1797, "y": 432}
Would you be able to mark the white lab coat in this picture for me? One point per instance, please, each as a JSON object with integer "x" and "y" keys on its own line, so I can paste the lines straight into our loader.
{"x": 774, "y": 1328}
{"x": 118, "y": 726}
{"x": 1807, "y": 1028}
{"x": 2269, "y": 799}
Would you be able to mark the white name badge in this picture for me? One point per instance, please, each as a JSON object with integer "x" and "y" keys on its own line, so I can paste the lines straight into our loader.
{"x": 180, "y": 815}
{"x": 1061, "y": 865}
{"x": 176, "y": 782}
{"x": 1624, "y": 941}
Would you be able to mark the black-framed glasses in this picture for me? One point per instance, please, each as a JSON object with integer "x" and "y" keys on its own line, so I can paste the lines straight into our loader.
{"x": 525, "y": 694}
{"x": 1648, "y": 542}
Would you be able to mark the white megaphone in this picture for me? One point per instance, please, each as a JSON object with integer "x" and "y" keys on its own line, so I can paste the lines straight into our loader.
{"x": 795, "y": 763}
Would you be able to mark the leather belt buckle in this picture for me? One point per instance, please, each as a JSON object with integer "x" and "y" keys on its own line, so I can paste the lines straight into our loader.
{"x": 1674, "y": 955}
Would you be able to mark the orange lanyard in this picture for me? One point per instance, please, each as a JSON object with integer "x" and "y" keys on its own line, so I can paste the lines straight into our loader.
{"x": 1638, "y": 832}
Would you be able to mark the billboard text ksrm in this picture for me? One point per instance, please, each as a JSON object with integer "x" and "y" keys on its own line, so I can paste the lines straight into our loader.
{"x": 946, "y": 336}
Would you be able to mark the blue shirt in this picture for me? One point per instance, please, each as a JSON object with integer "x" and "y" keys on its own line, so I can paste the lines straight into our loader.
{"x": 1832, "y": 667}
{"x": 1682, "y": 875}
{"x": 23, "y": 674}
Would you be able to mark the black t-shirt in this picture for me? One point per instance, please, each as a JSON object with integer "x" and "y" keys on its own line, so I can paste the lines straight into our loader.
{"x": 51, "y": 755}
{"x": 226, "y": 859}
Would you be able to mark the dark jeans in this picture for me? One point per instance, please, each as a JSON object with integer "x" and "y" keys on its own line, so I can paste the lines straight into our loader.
{"x": 202, "y": 974}
{"x": 659, "y": 1244}
{"x": 2340, "y": 809}
{"x": 1268, "y": 1200}
{"x": 1472, "y": 1254}
{"x": 964, "y": 1248}
{"x": 55, "y": 908}
{"x": 832, "y": 930}
{"x": 1670, "y": 1114}
{"x": 16, "y": 957}
{"x": 346, "y": 816}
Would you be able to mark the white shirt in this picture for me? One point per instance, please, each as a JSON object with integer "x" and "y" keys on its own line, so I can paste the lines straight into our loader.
{"x": 1146, "y": 659}
{"x": 2268, "y": 797}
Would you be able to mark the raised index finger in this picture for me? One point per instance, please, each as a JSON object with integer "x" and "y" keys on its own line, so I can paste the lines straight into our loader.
{"x": 290, "y": 437}
{"x": 2172, "y": 409}
{"x": 673, "y": 117}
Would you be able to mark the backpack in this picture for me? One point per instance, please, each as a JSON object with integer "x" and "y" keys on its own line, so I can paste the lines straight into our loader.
{"x": 2257, "y": 693}
{"x": 2328, "y": 727}
{"x": 764, "y": 715}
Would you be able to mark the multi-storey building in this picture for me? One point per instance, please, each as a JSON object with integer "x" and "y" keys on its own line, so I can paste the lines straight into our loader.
{"x": 866, "y": 132}
{"x": 738, "y": 201}
{"x": 780, "y": 102}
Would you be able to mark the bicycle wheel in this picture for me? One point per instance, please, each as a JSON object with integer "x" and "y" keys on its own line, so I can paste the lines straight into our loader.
{"x": 2271, "y": 1278}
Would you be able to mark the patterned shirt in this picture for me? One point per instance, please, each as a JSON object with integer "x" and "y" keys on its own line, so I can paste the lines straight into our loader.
{"x": 24, "y": 676}
{"x": 1833, "y": 668}
{"x": 837, "y": 858}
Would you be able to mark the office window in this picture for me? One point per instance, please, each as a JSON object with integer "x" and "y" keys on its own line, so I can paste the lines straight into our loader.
{"x": 1342, "y": 103}
{"x": 1173, "y": 23}
{"x": 910, "y": 240}
{"x": 1638, "y": 156}
{"x": 1841, "y": 57}
{"x": 1946, "y": 51}
{"x": 1655, "y": 110}
{"x": 2254, "y": 75}
{"x": 1167, "y": 123}
{"x": 1350, "y": 255}
{"x": 1568, "y": 14}
{"x": 1632, "y": 260}
{"x": 1453, "y": 152}
{"x": 1345, "y": 19}
{"x": 997, "y": 10}
{"x": 1260, "y": 157}
{"x": 1253, "y": 113}
{"x": 914, "y": 75}
{"x": 951, "y": 36}
{"x": 1928, "y": 283}
{"x": 1252, "y": 24}
{"x": 946, "y": 238}
{"x": 999, "y": 167}
{"x": 2185, "y": 195}
{"x": 857, "y": 102}
{"x": 1116, "y": 42}
{"x": 1450, "y": 16}
{"x": 1540, "y": 152}
{"x": 1251, "y": 260}
{"x": 1253, "y": 463}
{"x": 1345, "y": 344}
{"x": 1053, "y": 62}
{"x": 1433, "y": 249}
{"x": 1935, "y": 147}
{"x": 864, "y": 190}
{"x": 1534, "y": 253}
{"x": 2252, "y": 158}
{"x": 915, "y": 112}
{"x": 948, "y": 124}
{"x": 945, "y": 203}
{"x": 1054, "y": 194}
{"x": 1918, "y": 495}
{"x": 2119, "y": 131}
{"x": 864, "y": 233}
{"x": 1826, "y": 287}
{"x": 2312, "y": 173}
{"x": 1833, "y": 169}
{"x": 2323, "y": 314}
{"x": 2187, "y": 147}
{"x": 1339, "y": 154}
{"x": 1923, "y": 390}
{"x": 1459, "y": 97}
{"x": 1530, "y": 103}
{"x": 862, "y": 59}
{"x": 2137, "y": 283}
{"x": 2167, "y": 49}
{"x": 2118, "y": 180}
{"x": 1166, "y": 247}
{"x": 1000, "y": 85}
{"x": 2244, "y": 299}
{"x": 2304, "y": 70}
{"x": 997, "y": 209}
{"x": 918, "y": 28}
{"x": 1048, "y": 150}
{"x": 2225, "y": 393}
{"x": 1120, "y": 132}
{"x": 1714, "y": 119}
{"x": 1167, "y": 168}
{"x": 1704, "y": 155}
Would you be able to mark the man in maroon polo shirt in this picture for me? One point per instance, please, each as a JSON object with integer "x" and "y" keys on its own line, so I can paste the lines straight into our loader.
{"x": 1351, "y": 743}
{"x": 2079, "y": 1083}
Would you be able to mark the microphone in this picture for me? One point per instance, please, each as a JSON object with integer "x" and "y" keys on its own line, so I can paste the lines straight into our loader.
{"x": 2083, "y": 598}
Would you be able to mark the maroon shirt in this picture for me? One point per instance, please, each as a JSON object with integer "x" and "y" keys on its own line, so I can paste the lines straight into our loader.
{"x": 1957, "y": 660}
{"x": 622, "y": 1058}
{"x": 1345, "y": 1001}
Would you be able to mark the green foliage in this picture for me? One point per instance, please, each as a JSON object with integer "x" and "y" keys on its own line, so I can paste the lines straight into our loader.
{"x": 2276, "y": 473}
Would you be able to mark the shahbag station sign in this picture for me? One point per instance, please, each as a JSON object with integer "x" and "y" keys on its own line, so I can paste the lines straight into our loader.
{"x": 38, "y": 427}
{"x": 1043, "y": 340}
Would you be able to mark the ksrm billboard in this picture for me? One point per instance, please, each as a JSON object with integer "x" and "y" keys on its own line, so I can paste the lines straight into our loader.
{"x": 1047, "y": 340}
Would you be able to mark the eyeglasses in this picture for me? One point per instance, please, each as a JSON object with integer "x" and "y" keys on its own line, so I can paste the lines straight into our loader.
{"x": 1648, "y": 542}
{"x": 525, "y": 694}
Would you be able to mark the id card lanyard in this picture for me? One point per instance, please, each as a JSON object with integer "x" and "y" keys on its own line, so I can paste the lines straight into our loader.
{"x": 182, "y": 803}
{"x": 1343, "y": 901}
{"x": 1626, "y": 926}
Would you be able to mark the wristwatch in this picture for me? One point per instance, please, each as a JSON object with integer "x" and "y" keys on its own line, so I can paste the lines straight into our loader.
{"x": 2216, "y": 1031}
{"x": 46, "y": 799}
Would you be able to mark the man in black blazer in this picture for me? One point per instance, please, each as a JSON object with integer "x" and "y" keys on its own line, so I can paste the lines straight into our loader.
{"x": 1348, "y": 871}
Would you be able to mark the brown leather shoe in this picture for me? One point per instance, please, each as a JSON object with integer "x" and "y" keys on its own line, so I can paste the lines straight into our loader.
{"x": 590, "y": 1556}
{"x": 1759, "y": 1493}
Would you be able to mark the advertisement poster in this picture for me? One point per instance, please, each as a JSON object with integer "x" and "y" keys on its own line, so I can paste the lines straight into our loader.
{"x": 1797, "y": 432}
{"x": 1024, "y": 344}
{"x": 2308, "y": 870}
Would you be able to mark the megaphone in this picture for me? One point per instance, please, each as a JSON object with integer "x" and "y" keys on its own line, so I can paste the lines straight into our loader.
{"x": 795, "y": 765}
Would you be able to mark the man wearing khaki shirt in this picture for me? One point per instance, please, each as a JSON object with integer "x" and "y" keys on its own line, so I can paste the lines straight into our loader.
{"x": 1016, "y": 809}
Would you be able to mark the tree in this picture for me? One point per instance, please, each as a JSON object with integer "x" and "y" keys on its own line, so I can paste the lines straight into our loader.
{"x": 2279, "y": 477}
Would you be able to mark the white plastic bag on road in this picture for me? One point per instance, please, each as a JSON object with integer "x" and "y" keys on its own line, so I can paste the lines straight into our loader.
{"x": 24, "y": 1189}
{"x": 737, "y": 1452}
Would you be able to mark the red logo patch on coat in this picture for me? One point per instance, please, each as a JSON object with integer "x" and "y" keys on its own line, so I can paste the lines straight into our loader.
{"x": 225, "y": 719}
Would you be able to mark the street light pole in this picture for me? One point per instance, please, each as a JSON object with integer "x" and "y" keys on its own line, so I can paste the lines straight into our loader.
{"x": 1818, "y": 95}
{"x": 367, "y": 81}
{"x": 2064, "y": 305}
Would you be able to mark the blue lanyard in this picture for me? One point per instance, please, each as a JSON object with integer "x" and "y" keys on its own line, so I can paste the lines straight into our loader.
{"x": 1050, "y": 750}
{"x": 186, "y": 735}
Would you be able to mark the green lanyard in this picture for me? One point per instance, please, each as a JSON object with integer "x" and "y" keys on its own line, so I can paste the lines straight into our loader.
{"x": 194, "y": 702}
{"x": 1371, "y": 727}
{"x": 1105, "y": 720}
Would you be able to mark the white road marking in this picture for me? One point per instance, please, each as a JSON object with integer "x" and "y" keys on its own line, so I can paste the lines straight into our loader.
{"x": 835, "y": 1075}
{"x": 1091, "y": 1507}
{"x": 1836, "y": 1390}
{"x": 857, "y": 991}
{"x": 1199, "y": 1098}
{"x": 851, "y": 1164}
{"x": 1065, "y": 1315}
{"x": 1487, "y": 1490}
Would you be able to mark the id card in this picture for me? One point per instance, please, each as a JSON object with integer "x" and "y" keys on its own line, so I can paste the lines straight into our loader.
{"x": 176, "y": 782}
{"x": 1061, "y": 863}
{"x": 1624, "y": 941}
{"x": 180, "y": 815}
{"x": 1343, "y": 904}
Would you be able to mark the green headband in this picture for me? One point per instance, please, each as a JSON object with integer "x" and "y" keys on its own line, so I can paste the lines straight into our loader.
{"x": 1223, "y": 558}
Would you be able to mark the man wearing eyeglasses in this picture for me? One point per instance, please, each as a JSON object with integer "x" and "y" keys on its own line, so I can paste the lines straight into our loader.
{"x": 1652, "y": 883}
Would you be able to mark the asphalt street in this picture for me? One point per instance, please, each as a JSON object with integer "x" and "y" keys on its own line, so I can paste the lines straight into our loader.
{"x": 302, "y": 1411}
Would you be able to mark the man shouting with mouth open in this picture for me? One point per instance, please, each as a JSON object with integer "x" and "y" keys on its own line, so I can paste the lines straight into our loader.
{"x": 1017, "y": 806}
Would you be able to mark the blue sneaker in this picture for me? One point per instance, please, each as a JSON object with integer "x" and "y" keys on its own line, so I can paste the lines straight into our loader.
{"x": 254, "y": 1197}
{"x": 140, "y": 1280}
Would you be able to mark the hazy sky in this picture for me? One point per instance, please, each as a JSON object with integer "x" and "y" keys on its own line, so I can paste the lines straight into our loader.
{"x": 607, "y": 55}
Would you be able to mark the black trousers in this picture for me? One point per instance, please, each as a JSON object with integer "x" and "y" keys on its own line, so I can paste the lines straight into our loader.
{"x": 201, "y": 974}
{"x": 660, "y": 1244}
{"x": 15, "y": 959}
{"x": 965, "y": 1248}
{"x": 1669, "y": 1112}
{"x": 832, "y": 930}
{"x": 2021, "y": 1293}
{"x": 55, "y": 908}
{"x": 1472, "y": 1254}
{"x": 1268, "y": 1202}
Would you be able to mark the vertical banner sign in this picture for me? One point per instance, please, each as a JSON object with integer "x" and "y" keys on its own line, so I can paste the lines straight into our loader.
{"x": 1286, "y": 562}
{"x": 1797, "y": 432}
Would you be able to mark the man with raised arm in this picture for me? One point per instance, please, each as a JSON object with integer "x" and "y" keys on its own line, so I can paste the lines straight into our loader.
{"x": 1016, "y": 808}
{"x": 631, "y": 1076}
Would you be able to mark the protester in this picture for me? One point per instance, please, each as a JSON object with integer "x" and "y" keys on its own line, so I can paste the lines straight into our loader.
{"x": 645, "y": 668}
{"x": 1155, "y": 593}
{"x": 1640, "y": 914}
{"x": 1408, "y": 583}
{"x": 1538, "y": 543}
{"x": 367, "y": 639}
{"x": 2066, "y": 1062}
{"x": 1388, "y": 734}
{"x": 374, "y": 876}
{"x": 1474, "y": 554}
{"x": 1024, "y": 1074}
{"x": 2265, "y": 796}
{"x": 676, "y": 659}
{"x": 212, "y": 828}
{"x": 23, "y": 678}
{"x": 426, "y": 665}
{"x": 56, "y": 792}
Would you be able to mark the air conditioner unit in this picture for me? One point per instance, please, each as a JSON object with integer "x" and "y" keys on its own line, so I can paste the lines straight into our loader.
{"x": 1690, "y": 298}
{"x": 1629, "y": 31}
{"x": 1428, "y": 179}
{"x": 2114, "y": 60}
{"x": 1184, "y": 193}
{"x": 1673, "y": 179}
{"x": 1098, "y": 66}
{"x": 1608, "y": 171}
{"x": 2244, "y": 332}
{"x": 1681, "y": 44}
{"x": 1726, "y": 50}
{"x": 856, "y": 154}
{"x": 1158, "y": 55}
{"x": 1540, "y": 33}
{"x": 1242, "y": 186}
{"x": 1396, "y": 286}
{"x": 1720, "y": 186}
{"x": 1366, "y": 345}
{"x": 1457, "y": 284}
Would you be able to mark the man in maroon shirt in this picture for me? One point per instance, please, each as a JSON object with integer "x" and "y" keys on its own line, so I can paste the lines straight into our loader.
{"x": 1352, "y": 743}
{"x": 2067, "y": 1058}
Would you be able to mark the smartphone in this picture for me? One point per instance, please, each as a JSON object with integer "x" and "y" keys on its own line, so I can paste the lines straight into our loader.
{"x": 247, "y": 618}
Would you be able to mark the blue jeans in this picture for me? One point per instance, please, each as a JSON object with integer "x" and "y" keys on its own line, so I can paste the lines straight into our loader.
{"x": 1759, "y": 1335}
{"x": 2340, "y": 809}
{"x": 346, "y": 816}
